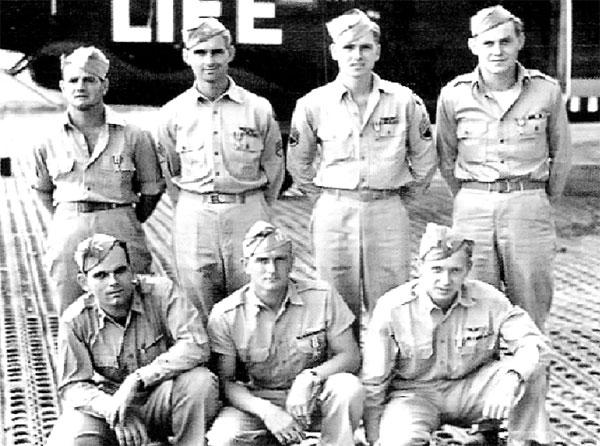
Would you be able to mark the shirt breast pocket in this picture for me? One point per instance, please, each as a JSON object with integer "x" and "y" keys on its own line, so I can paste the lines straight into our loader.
{"x": 336, "y": 145}
{"x": 152, "y": 348}
{"x": 313, "y": 344}
{"x": 193, "y": 160}
{"x": 243, "y": 155}
{"x": 254, "y": 355}
{"x": 59, "y": 167}
{"x": 532, "y": 137}
{"x": 472, "y": 140}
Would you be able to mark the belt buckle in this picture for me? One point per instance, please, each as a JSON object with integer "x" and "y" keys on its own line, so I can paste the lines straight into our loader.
{"x": 214, "y": 198}
{"x": 364, "y": 194}
{"x": 507, "y": 189}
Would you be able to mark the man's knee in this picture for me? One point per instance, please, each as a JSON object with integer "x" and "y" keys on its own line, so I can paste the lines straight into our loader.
{"x": 344, "y": 388}
{"x": 198, "y": 383}
{"x": 75, "y": 428}
{"x": 234, "y": 427}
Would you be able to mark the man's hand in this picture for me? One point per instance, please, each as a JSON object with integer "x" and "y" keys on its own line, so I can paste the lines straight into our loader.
{"x": 282, "y": 425}
{"x": 301, "y": 397}
{"x": 132, "y": 432}
{"x": 502, "y": 396}
{"x": 122, "y": 400}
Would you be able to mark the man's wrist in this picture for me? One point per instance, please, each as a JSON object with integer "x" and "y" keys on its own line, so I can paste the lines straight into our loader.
{"x": 316, "y": 376}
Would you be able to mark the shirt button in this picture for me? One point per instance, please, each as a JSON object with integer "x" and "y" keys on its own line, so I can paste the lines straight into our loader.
{"x": 217, "y": 174}
{"x": 501, "y": 161}
{"x": 215, "y": 132}
{"x": 501, "y": 141}
{"x": 360, "y": 134}
{"x": 88, "y": 188}
{"x": 215, "y": 112}
{"x": 216, "y": 153}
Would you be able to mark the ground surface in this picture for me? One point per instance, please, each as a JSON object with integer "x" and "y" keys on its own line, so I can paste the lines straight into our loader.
{"x": 28, "y": 320}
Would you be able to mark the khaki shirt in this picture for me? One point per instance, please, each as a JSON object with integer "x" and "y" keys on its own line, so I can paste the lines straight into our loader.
{"x": 477, "y": 141}
{"x": 163, "y": 336}
{"x": 389, "y": 147}
{"x": 276, "y": 347}
{"x": 410, "y": 342}
{"x": 231, "y": 145}
{"x": 122, "y": 164}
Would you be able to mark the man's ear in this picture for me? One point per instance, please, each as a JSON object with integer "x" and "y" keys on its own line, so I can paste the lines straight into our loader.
{"x": 333, "y": 51}
{"x": 105, "y": 86}
{"x": 82, "y": 281}
{"x": 521, "y": 40}
{"x": 184, "y": 55}
{"x": 472, "y": 44}
{"x": 231, "y": 51}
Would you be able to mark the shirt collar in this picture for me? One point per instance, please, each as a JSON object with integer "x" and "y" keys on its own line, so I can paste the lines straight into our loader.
{"x": 523, "y": 76}
{"x": 110, "y": 118}
{"x": 233, "y": 92}
{"x": 291, "y": 297}
{"x": 137, "y": 306}
{"x": 339, "y": 89}
{"x": 464, "y": 299}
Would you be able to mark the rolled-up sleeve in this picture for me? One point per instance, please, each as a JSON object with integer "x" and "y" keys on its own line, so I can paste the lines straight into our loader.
{"x": 559, "y": 143}
{"x": 148, "y": 172}
{"x": 39, "y": 178}
{"x": 221, "y": 341}
{"x": 421, "y": 154}
{"x": 302, "y": 148}
{"x": 190, "y": 348}
{"x": 166, "y": 142}
{"x": 380, "y": 352}
{"x": 447, "y": 141}
{"x": 272, "y": 161}
{"x": 522, "y": 337}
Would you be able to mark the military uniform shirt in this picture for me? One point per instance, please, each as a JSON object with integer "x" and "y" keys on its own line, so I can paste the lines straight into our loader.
{"x": 276, "y": 347}
{"x": 478, "y": 141}
{"x": 390, "y": 148}
{"x": 231, "y": 145}
{"x": 122, "y": 163}
{"x": 410, "y": 342}
{"x": 163, "y": 336}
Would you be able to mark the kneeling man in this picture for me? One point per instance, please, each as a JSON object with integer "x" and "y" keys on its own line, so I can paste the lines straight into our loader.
{"x": 293, "y": 339}
{"x": 131, "y": 352}
{"x": 431, "y": 355}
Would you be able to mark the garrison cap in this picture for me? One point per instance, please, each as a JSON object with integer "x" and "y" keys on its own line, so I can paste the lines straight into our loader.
{"x": 489, "y": 18}
{"x": 87, "y": 58}
{"x": 265, "y": 236}
{"x": 440, "y": 242}
{"x": 93, "y": 250}
{"x": 204, "y": 28}
{"x": 351, "y": 25}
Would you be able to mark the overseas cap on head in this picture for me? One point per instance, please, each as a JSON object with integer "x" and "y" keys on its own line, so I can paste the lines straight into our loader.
{"x": 491, "y": 17}
{"x": 440, "y": 242}
{"x": 263, "y": 236}
{"x": 93, "y": 250}
{"x": 87, "y": 58}
{"x": 350, "y": 26}
{"x": 204, "y": 28}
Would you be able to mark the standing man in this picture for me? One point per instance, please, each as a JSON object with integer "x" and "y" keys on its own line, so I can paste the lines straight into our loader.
{"x": 131, "y": 354}
{"x": 505, "y": 151}
{"x": 222, "y": 150}
{"x": 432, "y": 349}
{"x": 294, "y": 340}
{"x": 89, "y": 171}
{"x": 374, "y": 145}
